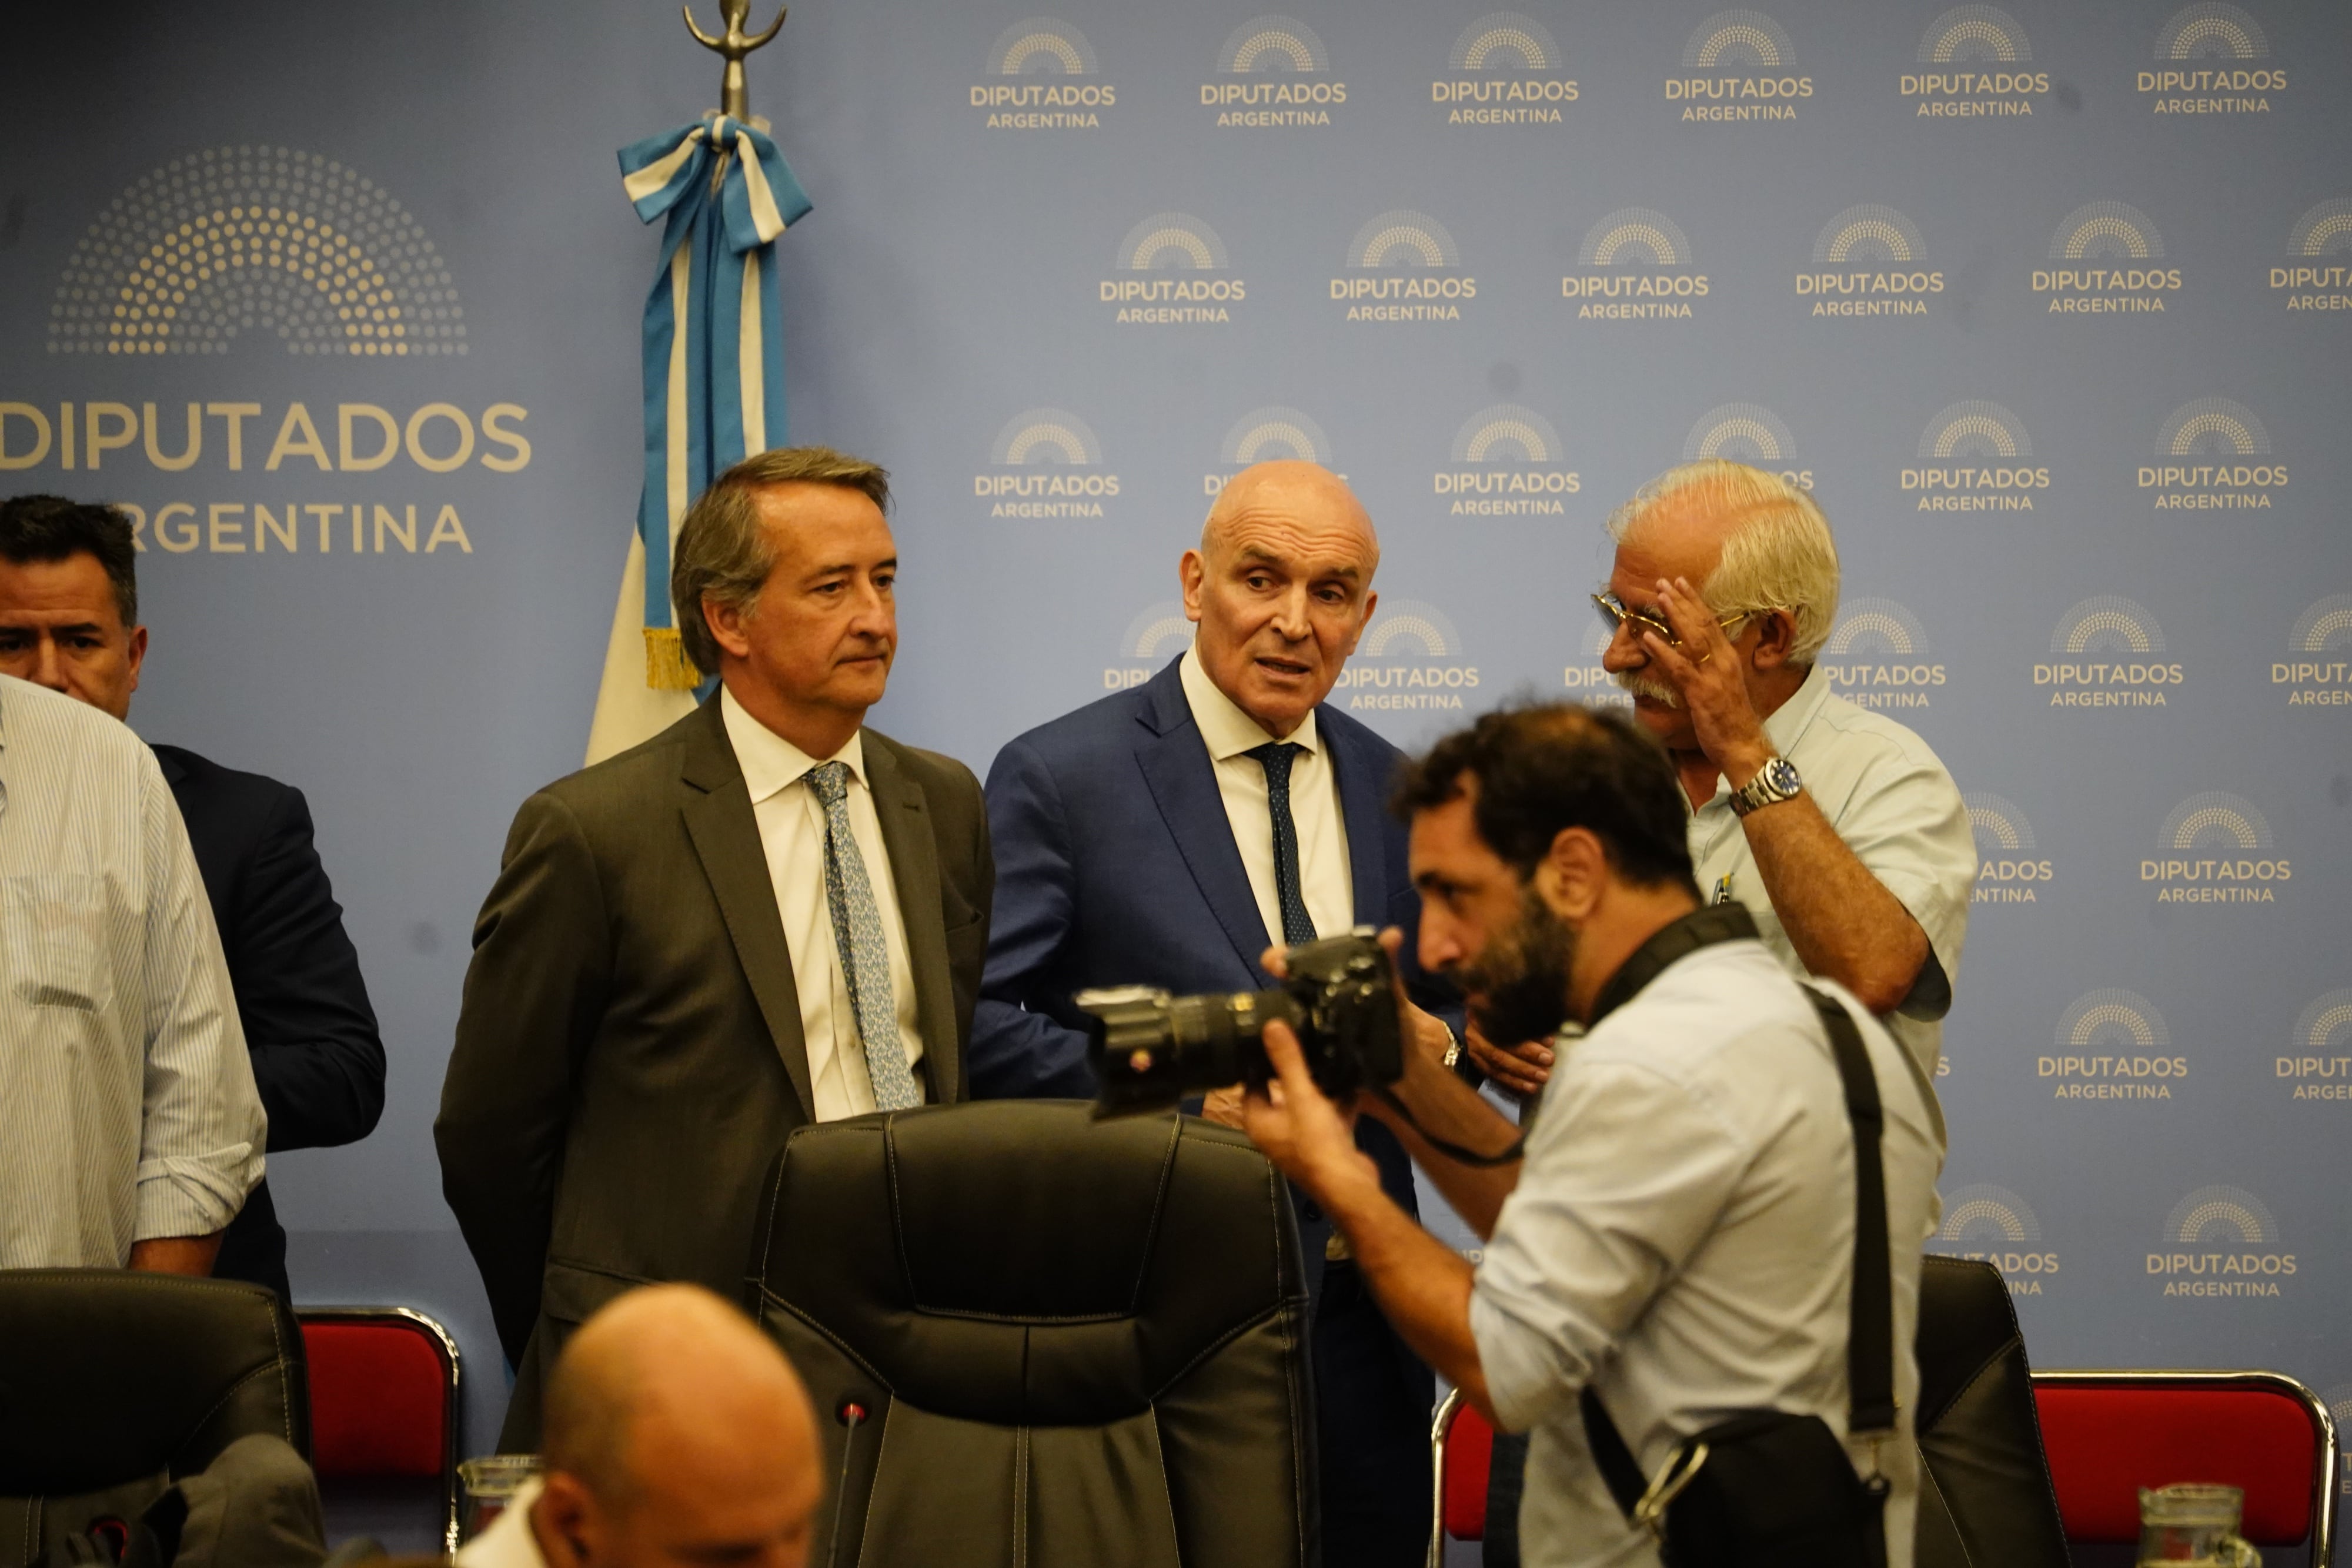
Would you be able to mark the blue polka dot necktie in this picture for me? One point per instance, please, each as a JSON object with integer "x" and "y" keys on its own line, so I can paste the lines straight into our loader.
{"x": 865, "y": 952}
{"x": 1275, "y": 757}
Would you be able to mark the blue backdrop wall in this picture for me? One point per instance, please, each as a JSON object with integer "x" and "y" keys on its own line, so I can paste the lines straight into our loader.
{"x": 2047, "y": 304}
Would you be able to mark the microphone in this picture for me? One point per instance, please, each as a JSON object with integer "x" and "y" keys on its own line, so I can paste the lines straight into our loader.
{"x": 852, "y": 1412}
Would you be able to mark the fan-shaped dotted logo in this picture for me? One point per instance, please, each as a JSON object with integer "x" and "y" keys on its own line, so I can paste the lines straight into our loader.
{"x": 1042, "y": 76}
{"x": 1506, "y": 41}
{"x": 1508, "y": 463}
{"x": 1404, "y": 268}
{"x": 1639, "y": 266}
{"x": 1157, "y": 634}
{"x": 1041, "y": 46}
{"x": 1994, "y": 1224}
{"x": 1046, "y": 463}
{"x": 2215, "y": 848}
{"x": 2011, "y": 868}
{"x": 1877, "y": 656}
{"x": 2318, "y": 272}
{"x": 2106, "y": 230}
{"x": 2213, "y": 425}
{"x": 236, "y": 241}
{"x": 2107, "y": 623}
{"x": 1274, "y": 73}
{"x": 2209, "y": 64}
{"x": 1172, "y": 272}
{"x": 1975, "y": 455}
{"x": 1974, "y": 34}
{"x": 1869, "y": 261}
{"x": 2112, "y": 1044}
{"x": 1747, "y": 432}
{"x": 1275, "y": 432}
{"x": 1409, "y": 660}
{"x": 1731, "y": 40}
{"x": 1268, "y": 434}
{"x": 1739, "y": 67}
{"x": 1273, "y": 42}
{"x": 1505, "y": 70}
{"x": 2221, "y": 1242}
{"x": 2318, "y": 1059}
{"x": 2106, "y": 652}
{"x": 2212, "y": 31}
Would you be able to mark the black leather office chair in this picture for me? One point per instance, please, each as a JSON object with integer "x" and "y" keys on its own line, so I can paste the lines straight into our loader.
{"x": 1076, "y": 1343}
{"x": 1984, "y": 1497}
{"x": 112, "y": 1384}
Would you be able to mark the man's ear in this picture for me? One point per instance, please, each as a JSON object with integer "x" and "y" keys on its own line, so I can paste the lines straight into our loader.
{"x": 1192, "y": 575}
{"x": 1776, "y": 638}
{"x": 563, "y": 1521}
{"x": 726, "y": 623}
{"x": 136, "y": 650}
{"x": 1573, "y": 875}
{"x": 1363, "y": 619}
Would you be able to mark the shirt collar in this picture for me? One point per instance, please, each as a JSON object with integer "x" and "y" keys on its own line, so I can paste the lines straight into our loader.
{"x": 1787, "y": 726}
{"x": 772, "y": 763}
{"x": 1228, "y": 731}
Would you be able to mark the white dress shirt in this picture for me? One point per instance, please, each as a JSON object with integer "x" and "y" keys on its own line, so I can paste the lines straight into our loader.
{"x": 1325, "y": 880}
{"x": 792, "y": 832}
{"x": 1897, "y": 809}
{"x": 127, "y": 1105}
{"x": 1682, "y": 1238}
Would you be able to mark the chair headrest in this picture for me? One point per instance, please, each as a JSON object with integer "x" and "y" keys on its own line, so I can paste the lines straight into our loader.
{"x": 108, "y": 1375}
{"x": 1019, "y": 1257}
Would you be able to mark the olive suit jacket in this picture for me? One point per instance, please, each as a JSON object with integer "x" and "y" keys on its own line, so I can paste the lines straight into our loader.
{"x": 629, "y": 1056}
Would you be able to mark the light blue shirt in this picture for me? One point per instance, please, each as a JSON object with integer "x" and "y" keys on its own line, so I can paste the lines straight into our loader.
{"x": 127, "y": 1105}
{"x": 1682, "y": 1238}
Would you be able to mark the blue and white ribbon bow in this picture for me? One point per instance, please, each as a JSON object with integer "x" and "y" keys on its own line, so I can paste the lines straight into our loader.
{"x": 714, "y": 334}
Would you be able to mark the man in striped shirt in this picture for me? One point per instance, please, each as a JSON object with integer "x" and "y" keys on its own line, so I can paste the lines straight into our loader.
{"x": 130, "y": 1128}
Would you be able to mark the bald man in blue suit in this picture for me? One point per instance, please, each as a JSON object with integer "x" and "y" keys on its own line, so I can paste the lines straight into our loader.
{"x": 1168, "y": 836}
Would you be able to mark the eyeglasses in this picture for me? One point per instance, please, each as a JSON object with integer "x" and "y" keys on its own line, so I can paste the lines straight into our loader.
{"x": 1614, "y": 613}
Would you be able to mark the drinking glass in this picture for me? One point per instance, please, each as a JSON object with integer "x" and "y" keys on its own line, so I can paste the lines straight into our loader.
{"x": 491, "y": 1483}
{"x": 2195, "y": 1525}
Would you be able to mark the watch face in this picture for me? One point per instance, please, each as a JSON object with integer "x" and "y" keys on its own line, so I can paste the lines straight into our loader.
{"x": 1781, "y": 775}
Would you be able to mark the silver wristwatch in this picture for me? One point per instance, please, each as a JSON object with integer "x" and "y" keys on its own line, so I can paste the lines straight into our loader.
{"x": 1774, "y": 782}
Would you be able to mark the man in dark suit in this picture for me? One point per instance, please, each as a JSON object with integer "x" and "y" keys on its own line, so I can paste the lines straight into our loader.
{"x": 70, "y": 621}
{"x": 764, "y": 916}
{"x": 1168, "y": 836}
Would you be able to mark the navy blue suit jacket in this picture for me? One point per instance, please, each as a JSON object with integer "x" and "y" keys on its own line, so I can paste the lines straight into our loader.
{"x": 316, "y": 1058}
{"x": 1115, "y": 866}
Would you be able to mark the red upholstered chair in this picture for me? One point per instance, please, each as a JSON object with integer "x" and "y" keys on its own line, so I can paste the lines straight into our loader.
{"x": 2110, "y": 1433}
{"x": 385, "y": 1387}
{"x": 1461, "y": 1443}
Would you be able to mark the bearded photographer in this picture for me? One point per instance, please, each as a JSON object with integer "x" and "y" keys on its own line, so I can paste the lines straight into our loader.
{"x": 1678, "y": 1236}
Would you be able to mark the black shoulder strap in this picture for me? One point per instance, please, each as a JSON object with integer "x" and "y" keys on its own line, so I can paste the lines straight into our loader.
{"x": 1870, "y": 1331}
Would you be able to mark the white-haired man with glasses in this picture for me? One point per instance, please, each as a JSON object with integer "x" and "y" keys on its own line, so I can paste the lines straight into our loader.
{"x": 1837, "y": 827}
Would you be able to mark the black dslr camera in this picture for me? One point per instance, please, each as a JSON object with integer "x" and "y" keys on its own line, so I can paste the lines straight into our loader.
{"x": 1151, "y": 1049}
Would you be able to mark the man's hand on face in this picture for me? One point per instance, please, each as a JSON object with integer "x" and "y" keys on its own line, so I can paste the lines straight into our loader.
{"x": 1707, "y": 673}
{"x": 1523, "y": 1069}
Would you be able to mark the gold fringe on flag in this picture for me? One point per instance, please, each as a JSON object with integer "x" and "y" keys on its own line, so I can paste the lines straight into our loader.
{"x": 667, "y": 669}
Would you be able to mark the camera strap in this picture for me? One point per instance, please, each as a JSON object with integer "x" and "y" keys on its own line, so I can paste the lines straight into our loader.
{"x": 1703, "y": 927}
{"x": 1870, "y": 1331}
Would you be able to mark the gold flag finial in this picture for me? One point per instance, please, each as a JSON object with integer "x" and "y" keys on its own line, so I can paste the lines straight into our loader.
{"x": 734, "y": 95}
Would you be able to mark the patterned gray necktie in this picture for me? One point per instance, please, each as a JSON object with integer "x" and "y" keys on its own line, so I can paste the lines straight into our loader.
{"x": 865, "y": 952}
{"x": 1275, "y": 757}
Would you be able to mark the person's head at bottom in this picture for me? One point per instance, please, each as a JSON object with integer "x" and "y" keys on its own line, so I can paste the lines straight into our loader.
{"x": 676, "y": 1433}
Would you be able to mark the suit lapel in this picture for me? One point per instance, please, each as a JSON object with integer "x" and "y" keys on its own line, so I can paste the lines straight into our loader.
{"x": 913, "y": 847}
{"x": 1184, "y": 783}
{"x": 1363, "y": 814}
{"x": 725, "y": 835}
